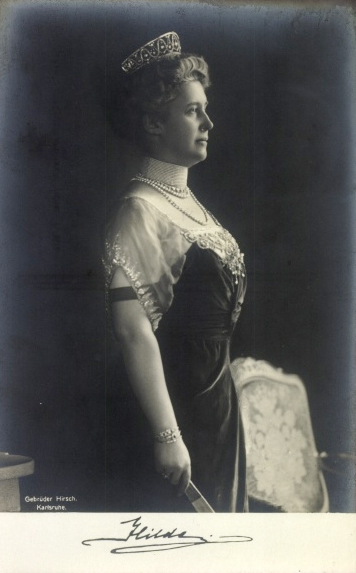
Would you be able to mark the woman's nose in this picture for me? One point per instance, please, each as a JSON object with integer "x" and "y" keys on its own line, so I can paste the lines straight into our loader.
{"x": 206, "y": 124}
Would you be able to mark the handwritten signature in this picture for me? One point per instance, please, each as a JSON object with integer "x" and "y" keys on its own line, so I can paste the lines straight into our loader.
{"x": 144, "y": 540}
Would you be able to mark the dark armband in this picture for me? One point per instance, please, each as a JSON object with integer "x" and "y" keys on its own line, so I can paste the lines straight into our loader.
{"x": 122, "y": 293}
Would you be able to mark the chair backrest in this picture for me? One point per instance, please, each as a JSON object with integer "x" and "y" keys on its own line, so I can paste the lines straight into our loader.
{"x": 282, "y": 460}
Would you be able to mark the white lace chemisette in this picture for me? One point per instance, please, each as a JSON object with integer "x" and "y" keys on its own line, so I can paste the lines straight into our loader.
{"x": 151, "y": 248}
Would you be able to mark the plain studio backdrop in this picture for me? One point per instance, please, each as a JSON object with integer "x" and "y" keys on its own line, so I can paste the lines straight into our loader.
{"x": 279, "y": 176}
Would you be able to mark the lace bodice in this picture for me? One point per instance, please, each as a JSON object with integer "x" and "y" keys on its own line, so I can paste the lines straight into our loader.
{"x": 223, "y": 244}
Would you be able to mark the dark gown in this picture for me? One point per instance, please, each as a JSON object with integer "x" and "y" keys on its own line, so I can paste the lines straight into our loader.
{"x": 194, "y": 339}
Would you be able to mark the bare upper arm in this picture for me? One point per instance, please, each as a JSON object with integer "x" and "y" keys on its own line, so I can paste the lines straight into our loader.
{"x": 128, "y": 316}
{"x": 119, "y": 279}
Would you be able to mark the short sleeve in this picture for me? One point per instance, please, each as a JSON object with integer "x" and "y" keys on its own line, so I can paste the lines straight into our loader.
{"x": 150, "y": 250}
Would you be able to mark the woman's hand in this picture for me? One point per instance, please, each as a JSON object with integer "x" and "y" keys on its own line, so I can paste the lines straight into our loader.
{"x": 172, "y": 459}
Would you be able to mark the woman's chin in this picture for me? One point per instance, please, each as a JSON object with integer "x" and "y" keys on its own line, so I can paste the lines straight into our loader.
{"x": 201, "y": 158}
{"x": 198, "y": 157}
{"x": 186, "y": 161}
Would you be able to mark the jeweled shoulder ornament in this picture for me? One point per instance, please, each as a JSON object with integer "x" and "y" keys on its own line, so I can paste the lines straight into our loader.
{"x": 154, "y": 50}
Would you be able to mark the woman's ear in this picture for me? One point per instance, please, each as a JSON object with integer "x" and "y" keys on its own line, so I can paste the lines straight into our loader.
{"x": 152, "y": 124}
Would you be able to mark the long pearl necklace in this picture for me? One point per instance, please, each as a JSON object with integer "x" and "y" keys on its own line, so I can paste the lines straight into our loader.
{"x": 160, "y": 187}
{"x": 181, "y": 192}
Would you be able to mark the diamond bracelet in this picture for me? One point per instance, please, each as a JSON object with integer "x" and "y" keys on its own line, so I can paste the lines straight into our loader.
{"x": 168, "y": 436}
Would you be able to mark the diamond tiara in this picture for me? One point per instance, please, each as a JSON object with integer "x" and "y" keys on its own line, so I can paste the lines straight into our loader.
{"x": 154, "y": 50}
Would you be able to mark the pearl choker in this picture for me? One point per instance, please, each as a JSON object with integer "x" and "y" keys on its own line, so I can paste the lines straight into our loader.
{"x": 160, "y": 187}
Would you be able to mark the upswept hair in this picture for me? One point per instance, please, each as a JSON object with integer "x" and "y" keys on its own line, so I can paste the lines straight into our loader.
{"x": 148, "y": 90}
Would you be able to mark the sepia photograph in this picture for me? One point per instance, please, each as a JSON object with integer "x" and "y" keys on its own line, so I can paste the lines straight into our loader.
{"x": 177, "y": 287}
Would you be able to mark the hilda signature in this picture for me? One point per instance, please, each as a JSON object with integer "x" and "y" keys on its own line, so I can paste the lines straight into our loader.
{"x": 136, "y": 537}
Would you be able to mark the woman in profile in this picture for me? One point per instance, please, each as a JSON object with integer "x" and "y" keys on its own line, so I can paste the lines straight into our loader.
{"x": 176, "y": 282}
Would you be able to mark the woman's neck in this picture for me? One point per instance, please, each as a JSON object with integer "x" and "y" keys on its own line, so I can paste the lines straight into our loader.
{"x": 165, "y": 172}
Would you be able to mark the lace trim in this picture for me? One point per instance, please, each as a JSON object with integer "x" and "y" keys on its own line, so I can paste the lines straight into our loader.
{"x": 220, "y": 240}
{"x": 118, "y": 259}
